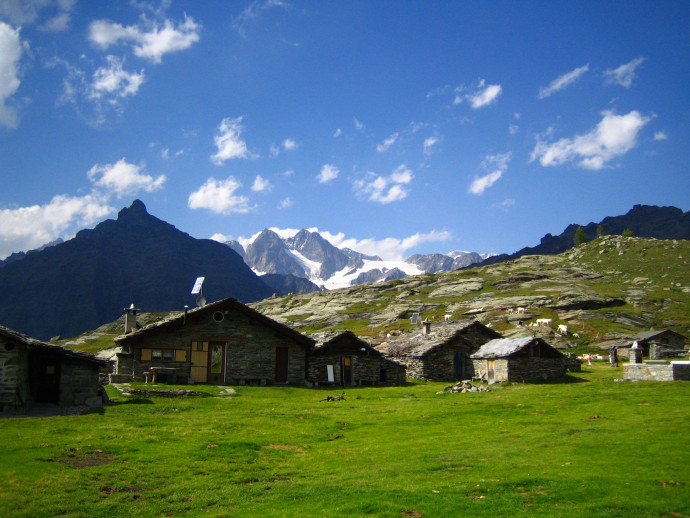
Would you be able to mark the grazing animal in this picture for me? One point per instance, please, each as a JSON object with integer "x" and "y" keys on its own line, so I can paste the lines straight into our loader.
{"x": 563, "y": 329}
{"x": 546, "y": 322}
{"x": 520, "y": 310}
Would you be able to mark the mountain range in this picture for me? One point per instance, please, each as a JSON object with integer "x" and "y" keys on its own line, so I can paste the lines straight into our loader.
{"x": 81, "y": 283}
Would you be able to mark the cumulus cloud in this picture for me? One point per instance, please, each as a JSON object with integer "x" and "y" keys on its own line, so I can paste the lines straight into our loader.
{"x": 660, "y": 135}
{"x": 390, "y": 248}
{"x": 147, "y": 39}
{"x": 562, "y": 82}
{"x": 261, "y": 184}
{"x": 480, "y": 96}
{"x": 337, "y": 133}
{"x": 10, "y": 52}
{"x": 385, "y": 189}
{"x": 624, "y": 74}
{"x": 219, "y": 196}
{"x": 613, "y": 136}
{"x": 114, "y": 80}
{"x": 123, "y": 178}
{"x": 387, "y": 143}
{"x": 328, "y": 173}
{"x": 495, "y": 165}
{"x": 285, "y": 203}
{"x": 429, "y": 143}
{"x": 27, "y": 228}
{"x": 289, "y": 144}
{"x": 229, "y": 142}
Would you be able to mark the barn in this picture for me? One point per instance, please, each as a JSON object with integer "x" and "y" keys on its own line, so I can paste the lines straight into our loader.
{"x": 224, "y": 342}
{"x": 34, "y": 373}
{"x": 341, "y": 358}
{"x": 519, "y": 359}
{"x": 440, "y": 352}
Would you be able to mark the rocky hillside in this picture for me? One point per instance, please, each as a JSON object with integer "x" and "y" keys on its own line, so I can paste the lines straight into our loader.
{"x": 606, "y": 289}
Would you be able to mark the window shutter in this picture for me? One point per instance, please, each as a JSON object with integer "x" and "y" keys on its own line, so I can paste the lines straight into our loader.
{"x": 180, "y": 355}
{"x": 146, "y": 355}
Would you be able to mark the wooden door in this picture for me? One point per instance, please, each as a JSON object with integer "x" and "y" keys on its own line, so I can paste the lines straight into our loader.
{"x": 490, "y": 372}
{"x": 216, "y": 366}
{"x": 199, "y": 362}
{"x": 281, "y": 375}
{"x": 459, "y": 365}
{"x": 347, "y": 370}
{"x": 45, "y": 379}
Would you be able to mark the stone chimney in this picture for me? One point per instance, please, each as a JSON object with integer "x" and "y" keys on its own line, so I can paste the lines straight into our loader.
{"x": 427, "y": 327}
{"x": 130, "y": 319}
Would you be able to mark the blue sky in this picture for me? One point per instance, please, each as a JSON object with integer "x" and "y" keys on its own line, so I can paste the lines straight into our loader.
{"x": 391, "y": 127}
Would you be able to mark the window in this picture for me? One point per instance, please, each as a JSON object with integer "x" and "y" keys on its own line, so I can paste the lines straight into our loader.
{"x": 168, "y": 354}
{"x": 156, "y": 354}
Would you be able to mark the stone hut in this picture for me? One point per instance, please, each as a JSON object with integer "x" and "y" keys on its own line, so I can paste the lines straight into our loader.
{"x": 224, "y": 342}
{"x": 666, "y": 338}
{"x": 441, "y": 352}
{"x": 519, "y": 359}
{"x": 34, "y": 372}
{"x": 341, "y": 358}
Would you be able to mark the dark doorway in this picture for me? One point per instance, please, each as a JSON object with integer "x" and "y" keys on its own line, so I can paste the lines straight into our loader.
{"x": 45, "y": 378}
{"x": 281, "y": 364}
{"x": 216, "y": 368}
{"x": 459, "y": 365}
{"x": 347, "y": 370}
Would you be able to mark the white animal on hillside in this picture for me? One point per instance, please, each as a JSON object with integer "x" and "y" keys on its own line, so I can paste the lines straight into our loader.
{"x": 520, "y": 310}
{"x": 510, "y": 311}
{"x": 546, "y": 322}
{"x": 563, "y": 329}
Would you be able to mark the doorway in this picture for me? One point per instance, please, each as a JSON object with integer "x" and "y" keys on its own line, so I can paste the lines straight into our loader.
{"x": 281, "y": 365}
{"x": 45, "y": 378}
{"x": 459, "y": 365}
{"x": 216, "y": 366}
{"x": 199, "y": 365}
{"x": 490, "y": 371}
{"x": 346, "y": 370}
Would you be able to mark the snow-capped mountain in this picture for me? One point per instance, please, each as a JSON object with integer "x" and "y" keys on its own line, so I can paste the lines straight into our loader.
{"x": 309, "y": 256}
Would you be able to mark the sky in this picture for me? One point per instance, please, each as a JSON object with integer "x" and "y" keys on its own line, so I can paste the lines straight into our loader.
{"x": 392, "y": 128}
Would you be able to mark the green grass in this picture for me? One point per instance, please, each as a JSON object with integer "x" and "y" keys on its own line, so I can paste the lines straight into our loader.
{"x": 588, "y": 446}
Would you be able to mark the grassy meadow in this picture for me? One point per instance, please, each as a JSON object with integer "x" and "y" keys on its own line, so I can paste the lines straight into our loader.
{"x": 586, "y": 446}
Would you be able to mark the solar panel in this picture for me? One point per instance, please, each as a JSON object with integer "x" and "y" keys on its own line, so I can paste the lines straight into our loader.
{"x": 197, "y": 285}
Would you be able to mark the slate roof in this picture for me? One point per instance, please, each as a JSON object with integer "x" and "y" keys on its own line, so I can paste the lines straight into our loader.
{"x": 177, "y": 319}
{"x": 420, "y": 344}
{"x": 326, "y": 339}
{"x": 646, "y": 335}
{"x": 504, "y": 347}
{"x": 36, "y": 345}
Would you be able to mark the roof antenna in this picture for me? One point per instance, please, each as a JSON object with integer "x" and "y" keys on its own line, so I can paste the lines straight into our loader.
{"x": 198, "y": 290}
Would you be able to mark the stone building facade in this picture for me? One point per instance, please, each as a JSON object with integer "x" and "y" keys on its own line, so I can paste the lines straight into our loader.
{"x": 665, "y": 338}
{"x": 441, "y": 352}
{"x": 224, "y": 342}
{"x": 519, "y": 359}
{"x": 34, "y": 372}
{"x": 341, "y": 358}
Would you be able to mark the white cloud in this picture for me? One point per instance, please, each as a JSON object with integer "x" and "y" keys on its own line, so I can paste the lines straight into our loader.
{"x": 229, "y": 143}
{"x": 148, "y": 39}
{"x": 505, "y": 204}
{"x": 660, "y": 135}
{"x": 495, "y": 165}
{"x": 10, "y": 52}
{"x": 513, "y": 129}
{"x": 114, "y": 80}
{"x": 624, "y": 74}
{"x": 289, "y": 144}
{"x": 289, "y": 173}
{"x": 385, "y": 189}
{"x": 123, "y": 178}
{"x": 219, "y": 196}
{"x": 389, "y": 249}
{"x": 337, "y": 133}
{"x": 387, "y": 143}
{"x": 328, "y": 173}
{"x": 613, "y": 136}
{"x": 221, "y": 238}
{"x": 562, "y": 82}
{"x": 358, "y": 125}
{"x": 27, "y": 228}
{"x": 429, "y": 143}
{"x": 483, "y": 95}
{"x": 252, "y": 12}
{"x": 261, "y": 184}
{"x": 285, "y": 203}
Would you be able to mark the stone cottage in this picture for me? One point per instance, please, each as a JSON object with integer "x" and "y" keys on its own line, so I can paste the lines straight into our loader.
{"x": 341, "y": 358}
{"x": 224, "y": 342}
{"x": 34, "y": 372}
{"x": 664, "y": 338}
{"x": 440, "y": 352}
{"x": 519, "y": 359}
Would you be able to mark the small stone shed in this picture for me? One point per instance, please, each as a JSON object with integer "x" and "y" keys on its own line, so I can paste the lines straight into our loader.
{"x": 34, "y": 372}
{"x": 224, "y": 342}
{"x": 665, "y": 338}
{"x": 441, "y": 352}
{"x": 341, "y": 358}
{"x": 519, "y": 359}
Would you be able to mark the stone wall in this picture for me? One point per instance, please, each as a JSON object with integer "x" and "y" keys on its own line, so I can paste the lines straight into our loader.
{"x": 663, "y": 351}
{"x": 657, "y": 370}
{"x": 9, "y": 373}
{"x": 250, "y": 349}
{"x": 523, "y": 368}
{"x": 80, "y": 384}
{"x": 366, "y": 370}
{"x": 437, "y": 364}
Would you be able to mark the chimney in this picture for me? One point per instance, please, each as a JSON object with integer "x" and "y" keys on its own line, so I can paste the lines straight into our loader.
{"x": 130, "y": 319}
{"x": 427, "y": 327}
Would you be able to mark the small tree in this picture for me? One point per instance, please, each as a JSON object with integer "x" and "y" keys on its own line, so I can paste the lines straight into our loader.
{"x": 628, "y": 233}
{"x": 580, "y": 236}
{"x": 600, "y": 230}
